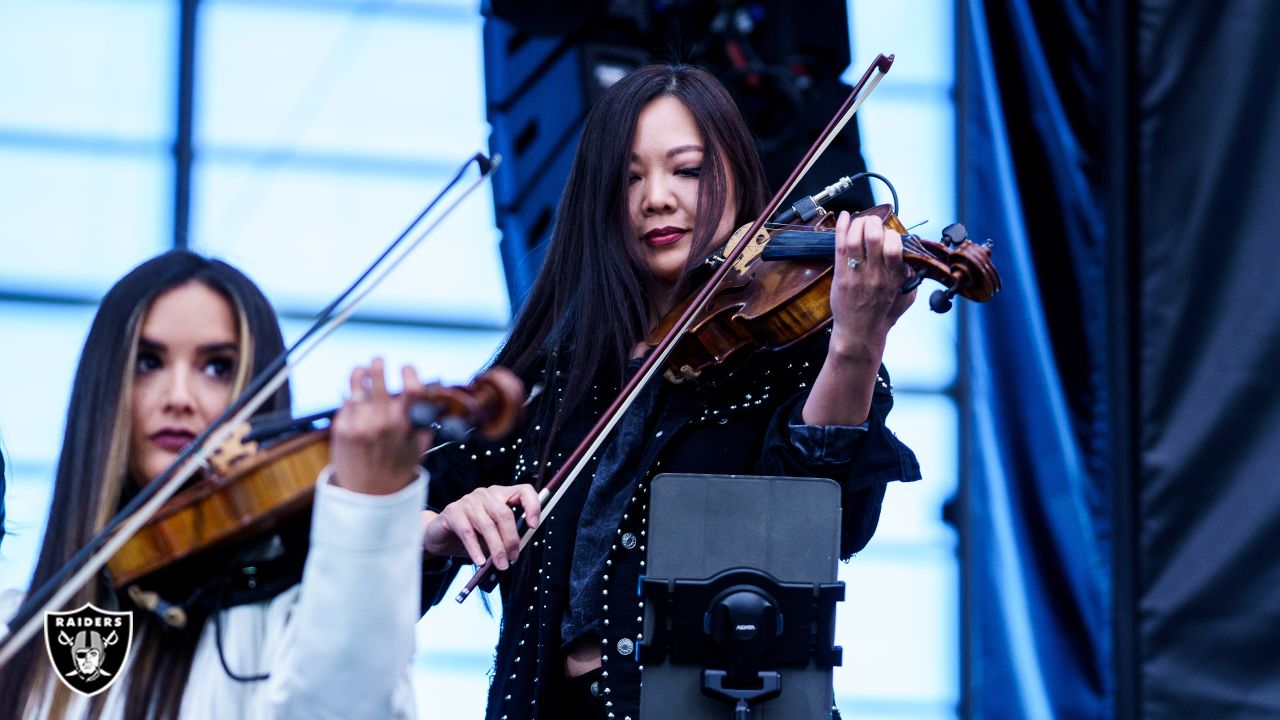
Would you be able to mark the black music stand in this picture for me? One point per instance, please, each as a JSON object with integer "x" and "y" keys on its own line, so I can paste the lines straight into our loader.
{"x": 740, "y": 597}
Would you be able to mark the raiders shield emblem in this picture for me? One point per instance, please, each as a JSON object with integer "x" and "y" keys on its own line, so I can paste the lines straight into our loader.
{"x": 88, "y": 646}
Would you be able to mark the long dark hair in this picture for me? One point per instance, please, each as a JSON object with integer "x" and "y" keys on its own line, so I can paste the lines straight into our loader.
{"x": 92, "y": 477}
{"x": 2, "y": 490}
{"x": 593, "y": 297}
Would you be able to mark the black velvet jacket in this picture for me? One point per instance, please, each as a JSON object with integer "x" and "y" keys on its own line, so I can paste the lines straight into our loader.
{"x": 578, "y": 578}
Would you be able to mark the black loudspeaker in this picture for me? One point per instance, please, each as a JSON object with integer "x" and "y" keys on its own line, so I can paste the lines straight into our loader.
{"x": 538, "y": 90}
{"x": 535, "y": 105}
{"x": 740, "y": 596}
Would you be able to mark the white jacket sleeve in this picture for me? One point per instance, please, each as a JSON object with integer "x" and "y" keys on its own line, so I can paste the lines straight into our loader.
{"x": 350, "y": 637}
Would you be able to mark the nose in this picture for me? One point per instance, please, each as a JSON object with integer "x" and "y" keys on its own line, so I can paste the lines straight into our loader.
{"x": 658, "y": 197}
{"x": 179, "y": 397}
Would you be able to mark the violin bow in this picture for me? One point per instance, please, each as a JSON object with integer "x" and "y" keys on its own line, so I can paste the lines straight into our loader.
{"x": 577, "y": 461}
{"x": 55, "y": 592}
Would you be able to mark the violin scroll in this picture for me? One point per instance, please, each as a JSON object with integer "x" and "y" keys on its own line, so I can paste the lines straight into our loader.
{"x": 491, "y": 404}
{"x": 962, "y": 266}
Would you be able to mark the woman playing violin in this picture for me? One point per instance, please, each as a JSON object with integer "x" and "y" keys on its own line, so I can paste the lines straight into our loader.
{"x": 271, "y": 632}
{"x": 665, "y": 170}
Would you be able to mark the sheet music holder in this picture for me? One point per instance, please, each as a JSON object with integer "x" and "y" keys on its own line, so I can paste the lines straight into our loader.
{"x": 740, "y": 584}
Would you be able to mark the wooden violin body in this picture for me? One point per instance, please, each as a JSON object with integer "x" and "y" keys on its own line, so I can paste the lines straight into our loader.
{"x": 267, "y": 486}
{"x": 247, "y": 490}
{"x": 779, "y": 290}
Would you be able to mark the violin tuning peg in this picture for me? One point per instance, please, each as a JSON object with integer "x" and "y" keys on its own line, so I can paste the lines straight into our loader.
{"x": 954, "y": 234}
{"x": 940, "y": 300}
{"x": 453, "y": 429}
{"x": 423, "y": 415}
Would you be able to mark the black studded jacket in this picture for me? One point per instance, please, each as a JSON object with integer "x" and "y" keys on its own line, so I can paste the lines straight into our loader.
{"x": 578, "y": 578}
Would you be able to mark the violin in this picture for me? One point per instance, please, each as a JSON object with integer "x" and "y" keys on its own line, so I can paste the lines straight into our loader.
{"x": 778, "y": 291}
{"x": 248, "y": 489}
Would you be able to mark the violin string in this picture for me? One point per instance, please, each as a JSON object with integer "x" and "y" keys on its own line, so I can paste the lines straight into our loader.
{"x": 816, "y": 241}
{"x": 912, "y": 243}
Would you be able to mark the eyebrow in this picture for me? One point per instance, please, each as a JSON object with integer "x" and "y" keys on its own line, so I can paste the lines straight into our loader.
{"x": 212, "y": 348}
{"x": 678, "y": 150}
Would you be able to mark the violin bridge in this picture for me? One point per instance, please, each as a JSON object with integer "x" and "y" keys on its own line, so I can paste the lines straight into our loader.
{"x": 751, "y": 252}
{"x": 232, "y": 451}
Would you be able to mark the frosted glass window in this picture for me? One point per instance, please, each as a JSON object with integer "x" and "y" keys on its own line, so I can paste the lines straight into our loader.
{"x": 88, "y": 68}
{"x": 441, "y": 8}
{"x": 911, "y": 141}
{"x": 74, "y": 223}
{"x": 447, "y": 356}
{"x": 27, "y": 496}
{"x": 919, "y": 33}
{"x": 303, "y": 235}
{"x": 292, "y": 78}
{"x": 42, "y": 347}
{"x": 897, "y": 623}
{"x": 455, "y": 654}
{"x": 921, "y": 351}
{"x": 928, "y": 424}
{"x": 898, "y": 630}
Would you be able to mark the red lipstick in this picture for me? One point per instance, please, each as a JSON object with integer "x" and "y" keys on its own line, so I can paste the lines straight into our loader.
{"x": 172, "y": 438}
{"x": 664, "y": 235}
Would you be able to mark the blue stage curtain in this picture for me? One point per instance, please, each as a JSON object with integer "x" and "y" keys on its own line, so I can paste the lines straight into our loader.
{"x": 1034, "y": 505}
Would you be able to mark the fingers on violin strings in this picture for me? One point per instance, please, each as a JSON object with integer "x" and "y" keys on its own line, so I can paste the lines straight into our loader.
{"x": 359, "y": 386}
{"x": 873, "y": 240}
{"x": 409, "y": 375}
{"x": 377, "y": 380}
{"x": 845, "y": 230}
{"x": 892, "y": 249}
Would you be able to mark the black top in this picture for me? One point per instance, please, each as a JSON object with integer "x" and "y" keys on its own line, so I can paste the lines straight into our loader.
{"x": 578, "y": 578}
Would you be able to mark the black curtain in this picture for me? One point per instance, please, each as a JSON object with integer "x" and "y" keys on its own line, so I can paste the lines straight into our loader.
{"x": 1121, "y": 505}
{"x": 1035, "y": 527}
{"x": 1207, "y": 175}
